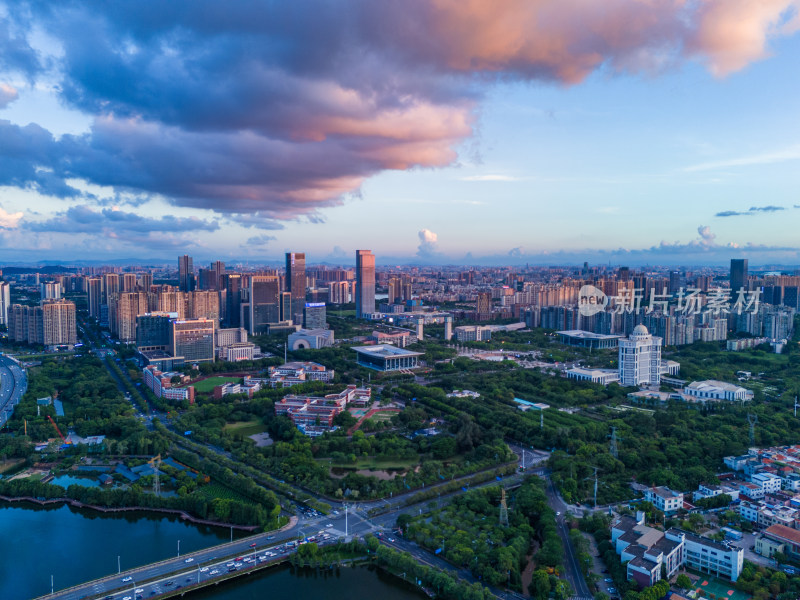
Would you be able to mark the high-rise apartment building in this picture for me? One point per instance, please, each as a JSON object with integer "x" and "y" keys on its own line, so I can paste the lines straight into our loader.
{"x": 365, "y": 283}
{"x": 51, "y": 324}
{"x": 394, "y": 290}
{"x": 483, "y": 306}
{"x": 110, "y": 286}
{"x": 185, "y": 273}
{"x": 738, "y": 275}
{"x": 129, "y": 282}
{"x": 296, "y": 283}
{"x": 146, "y": 281}
{"x": 5, "y": 301}
{"x": 50, "y": 290}
{"x": 123, "y": 310}
{"x": 94, "y": 295}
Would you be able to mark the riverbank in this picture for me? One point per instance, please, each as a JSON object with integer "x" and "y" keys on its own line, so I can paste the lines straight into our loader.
{"x": 105, "y": 509}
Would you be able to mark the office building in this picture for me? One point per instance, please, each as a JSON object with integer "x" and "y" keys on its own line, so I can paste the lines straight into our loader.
{"x": 264, "y": 305}
{"x": 365, "y": 284}
{"x": 232, "y": 283}
{"x": 483, "y": 306}
{"x": 153, "y": 331}
{"x": 296, "y": 284}
{"x": 192, "y": 339}
{"x": 738, "y": 276}
{"x": 640, "y": 358}
{"x": 185, "y": 273}
{"x": 314, "y": 316}
{"x": 285, "y": 300}
{"x": 5, "y": 301}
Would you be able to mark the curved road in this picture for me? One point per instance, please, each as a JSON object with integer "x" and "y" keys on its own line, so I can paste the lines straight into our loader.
{"x": 13, "y": 384}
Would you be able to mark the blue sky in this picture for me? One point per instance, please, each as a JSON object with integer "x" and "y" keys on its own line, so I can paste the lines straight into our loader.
{"x": 141, "y": 132}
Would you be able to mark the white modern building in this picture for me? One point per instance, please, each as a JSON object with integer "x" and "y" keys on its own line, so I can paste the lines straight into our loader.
{"x": 713, "y": 390}
{"x": 664, "y": 499}
{"x": 640, "y": 358}
{"x": 602, "y": 376}
{"x": 313, "y": 339}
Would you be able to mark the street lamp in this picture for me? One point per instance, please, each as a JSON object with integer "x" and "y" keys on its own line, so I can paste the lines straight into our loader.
{"x": 119, "y": 568}
{"x": 179, "y": 548}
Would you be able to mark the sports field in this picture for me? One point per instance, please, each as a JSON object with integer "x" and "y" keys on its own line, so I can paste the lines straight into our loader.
{"x": 207, "y": 385}
{"x": 717, "y": 589}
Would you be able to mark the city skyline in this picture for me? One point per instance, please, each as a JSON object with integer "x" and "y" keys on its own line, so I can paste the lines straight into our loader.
{"x": 240, "y": 135}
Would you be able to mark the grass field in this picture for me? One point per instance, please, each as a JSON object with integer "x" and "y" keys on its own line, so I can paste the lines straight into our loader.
{"x": 217, "y": 490}
{"x": 376, "y": 465}
{"x": 245, "y": 428}
{"x": 383, "y": 416}
{"x": 207, "y": 385}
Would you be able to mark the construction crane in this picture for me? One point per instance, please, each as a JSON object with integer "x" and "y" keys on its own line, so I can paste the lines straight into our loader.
{"x": 63, "y": 439}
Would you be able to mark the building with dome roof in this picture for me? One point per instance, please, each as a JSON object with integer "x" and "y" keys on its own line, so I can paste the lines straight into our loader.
{"x": 640, "y": 358}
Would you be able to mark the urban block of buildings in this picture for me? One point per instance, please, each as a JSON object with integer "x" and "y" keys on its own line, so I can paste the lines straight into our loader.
{"x": 314, "y": 415}
{"x": 645, "y": 550}
{"x": 161, "y": 384}
{"x": 295, "y": 373}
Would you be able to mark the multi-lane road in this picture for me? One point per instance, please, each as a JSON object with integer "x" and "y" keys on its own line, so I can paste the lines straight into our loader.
{"x": 13, "y": 383}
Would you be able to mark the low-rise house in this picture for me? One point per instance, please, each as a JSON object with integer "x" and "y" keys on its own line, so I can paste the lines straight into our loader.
{"x": 664, "y": 499}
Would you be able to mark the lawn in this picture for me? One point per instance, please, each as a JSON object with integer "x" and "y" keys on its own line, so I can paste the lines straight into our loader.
{"x": 217, "y": 490}
{"x": 207, "y": 385}
{"x": 245, "y": 428}
{"x": 375, "y": 464}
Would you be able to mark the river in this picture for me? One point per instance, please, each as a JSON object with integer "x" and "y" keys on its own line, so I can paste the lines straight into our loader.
{"x": 76, "y": 545}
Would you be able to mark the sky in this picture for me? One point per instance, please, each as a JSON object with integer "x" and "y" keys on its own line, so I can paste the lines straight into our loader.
{"x": 432, "y": 132}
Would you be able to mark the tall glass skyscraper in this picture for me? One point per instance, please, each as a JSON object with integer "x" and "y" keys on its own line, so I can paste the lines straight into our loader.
{"x": 296, "y": 283}
{"x": 365, "y": 283}
{"x": 738, "y": 275}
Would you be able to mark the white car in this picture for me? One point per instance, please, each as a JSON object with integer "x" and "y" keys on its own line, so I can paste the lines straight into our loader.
{"x": 329, "y": 525}
{"x": 127, "y": 579}
{"x": 214, "y": 572}
{"x": 204, "y": 570}
{"x": 188, "y": 560}
{"x": 140, "y": 591}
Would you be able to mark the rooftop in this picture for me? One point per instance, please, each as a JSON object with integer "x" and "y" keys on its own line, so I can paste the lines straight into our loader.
{"x": 385, "y": 350}
{"x": 587, "y": 335}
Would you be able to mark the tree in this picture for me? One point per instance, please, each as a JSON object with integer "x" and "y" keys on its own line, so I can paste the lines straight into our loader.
{"x": 540, "y": 585}
{"x": 683, "y": 581}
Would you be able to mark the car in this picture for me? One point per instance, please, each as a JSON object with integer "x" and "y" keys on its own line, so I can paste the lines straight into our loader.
{"x": 169, "y": 583}
{"x": 231, "y": 569}
{"x": 188, "y": 560}
{"x": 558, "y": 514}
{"x": 214, "y": 572}
{"x": 391, "y": 540}
{"x": 608, "y": 580}
{"x": 139, "y": 591}
{"x": 127, "y": 579}
{"x": 204, "y": 570}
{"x": 188, "y": 579}
{"x": 612, "y": 590}
{"x": 230, "y": 564}
{"x": 127, "y": 598}
{"x": 329, "y": 525}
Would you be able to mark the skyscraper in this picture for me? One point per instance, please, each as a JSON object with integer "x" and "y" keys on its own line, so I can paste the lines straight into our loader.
{"x": 193, "y": 339}
{"x": 738, "y": 274}
{"x": 296, "y": 283}
{"x": 365, "y": 283}
{"x": 185, "y": 273}
{"x": 5, "y": 302}
{"x": 640, "y": 358}
{"x": 233, "y": 299}
{"x": 94, "y": 293}
{"x": 264, "y": 302}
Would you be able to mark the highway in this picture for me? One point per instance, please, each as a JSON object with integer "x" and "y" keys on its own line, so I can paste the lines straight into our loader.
{"x": 13, "y": 384}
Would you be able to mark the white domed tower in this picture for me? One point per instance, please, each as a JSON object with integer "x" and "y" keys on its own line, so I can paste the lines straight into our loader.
{"x": 640, "y": 358}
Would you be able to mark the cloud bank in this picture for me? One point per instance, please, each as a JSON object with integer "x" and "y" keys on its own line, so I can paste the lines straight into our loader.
{"x": 282, "y": 109}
